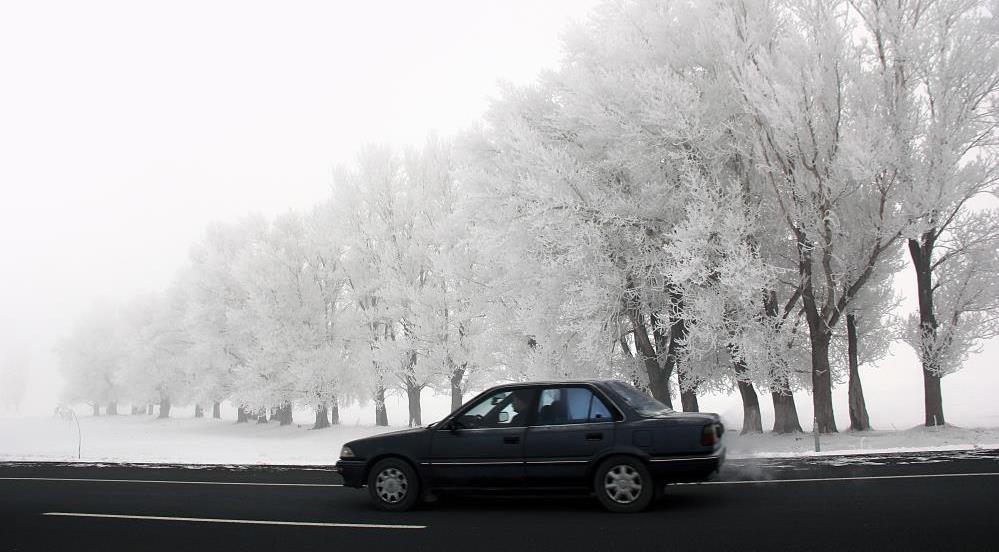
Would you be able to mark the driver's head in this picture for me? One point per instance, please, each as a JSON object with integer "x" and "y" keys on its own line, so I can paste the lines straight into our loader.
{"x": 519, "y": 402}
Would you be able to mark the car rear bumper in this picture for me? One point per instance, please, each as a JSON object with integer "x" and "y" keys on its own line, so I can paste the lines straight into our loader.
{"x": 352, "y": 472}
{"x": 687, "y": 468}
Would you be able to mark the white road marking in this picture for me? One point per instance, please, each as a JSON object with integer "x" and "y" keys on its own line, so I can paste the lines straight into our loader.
{"x": 858, "y": 478}
{"x": 251, "y": 484}
{"x": 238, "y": 521}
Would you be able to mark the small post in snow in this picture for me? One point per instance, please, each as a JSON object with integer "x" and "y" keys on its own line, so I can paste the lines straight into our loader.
{"x": 815, "y": 432}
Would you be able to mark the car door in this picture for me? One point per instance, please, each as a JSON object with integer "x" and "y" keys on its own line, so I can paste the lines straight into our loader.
{"x": 484, "y": 448}
{"x": 572, "y": 425}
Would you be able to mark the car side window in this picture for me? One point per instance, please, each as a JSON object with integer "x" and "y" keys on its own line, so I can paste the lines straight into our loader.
{"x": 501, "y": 409}
{"x": 571, "y": 405}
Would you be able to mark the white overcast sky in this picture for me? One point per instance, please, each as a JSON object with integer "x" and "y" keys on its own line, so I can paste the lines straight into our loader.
{"x": 125, "y": 127}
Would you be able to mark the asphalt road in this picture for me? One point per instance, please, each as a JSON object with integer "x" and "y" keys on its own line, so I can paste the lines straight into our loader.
{"x": 928, "y": 501}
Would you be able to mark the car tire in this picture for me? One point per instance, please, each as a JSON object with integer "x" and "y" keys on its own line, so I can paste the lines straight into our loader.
{"x": 623, "y": 484}
{"x": 393, "y": 485}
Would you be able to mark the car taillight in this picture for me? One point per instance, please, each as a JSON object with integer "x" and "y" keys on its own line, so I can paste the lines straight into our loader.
{"x": 708, "y": 436}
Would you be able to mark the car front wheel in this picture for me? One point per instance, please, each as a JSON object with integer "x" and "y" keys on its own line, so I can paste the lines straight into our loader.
{"x": 393, "y": 485}
{"x": 623, "y": 484}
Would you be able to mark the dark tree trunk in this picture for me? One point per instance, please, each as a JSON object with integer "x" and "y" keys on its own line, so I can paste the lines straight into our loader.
{"x": 751, "y": 420}
{"x": 677, "y": 332}
{"x": 859, "y": 420}
{"x": 241, "y": 416}
{"x": 262, "y": 416}
{"x": 921, "y": 252}
{"x": 164, "y": 407}
{"x": 822, "y": 382}
{"x": 658, "y": 381}
{"x": 198, "y": 411}
{"x": 150, "y": 409}
{"x": 137, "y": 410}
{"x": 112, "y": 408}
{"x": 217, "y": 410}
{"x": 688, "y": 397}
{"x": 96, "y": 409}
{"x": 413, "y": 392}
{"x": 819, "y": 335}
{"x": 381, "y": 413}
{"x": 785, "y": 413}
{"x": 285, "y": 416}
{"x": 322, "y": 417}
{"x": 334, "y": 411}
{"x": 457, "y": 375}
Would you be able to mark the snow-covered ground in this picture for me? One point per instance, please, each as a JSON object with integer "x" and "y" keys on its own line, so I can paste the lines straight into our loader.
{"x": 207, "y": 441}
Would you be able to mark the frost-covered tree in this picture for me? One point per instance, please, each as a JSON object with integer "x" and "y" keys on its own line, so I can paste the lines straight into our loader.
{"x": 92, "y": 358}
{"x": 965, "y": 295}
{"x": 816, "y": 137}
{"x": 939, "y": 66}
{"x": 216, "y": 296}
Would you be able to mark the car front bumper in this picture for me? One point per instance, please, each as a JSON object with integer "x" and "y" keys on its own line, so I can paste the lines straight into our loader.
{"x": 352, "y": 472}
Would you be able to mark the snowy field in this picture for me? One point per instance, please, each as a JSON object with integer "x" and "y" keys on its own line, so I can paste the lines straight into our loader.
{"x": 207, "y": 441}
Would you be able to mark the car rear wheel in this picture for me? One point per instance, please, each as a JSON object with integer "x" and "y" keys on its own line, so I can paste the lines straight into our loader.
{"x": 393, "y": 485}
{"x": 623, "y": 484}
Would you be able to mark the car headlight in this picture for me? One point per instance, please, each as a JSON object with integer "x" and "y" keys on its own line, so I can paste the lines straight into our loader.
{"x": 346, "y": 452}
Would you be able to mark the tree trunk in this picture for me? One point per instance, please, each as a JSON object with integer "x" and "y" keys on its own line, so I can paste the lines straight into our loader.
{"x": 822, "y": 382}
{"x": 241, "y": 416}
{"x": 752, "y": 422}
{"x": 413, "y": 394}
{"x": 819, "y": 335}
{"x": 688, "y": 397}
{"x": 217, "y": 410}
{"x": 198, "y": 411}
{"x": 150, "y": 409}
{"x": 322, "y": 417}
{"x": 658, "y": 382}
{"x": 457, "y": 375}
{"x": 112, "y": 409}
{"x": 859, "y": 420}
{"x": 381, "y": 414}
{"x": 164, "y": 407}
{"x": 334, "y": 411}
{"x": 285, "y": 415}
{"x": 922, "y": 255}
{"x": 262, "y": 416}
{"x": 137, "y": 410}
{"x": 785, "y": 413}
{"x": 96, "y": 408}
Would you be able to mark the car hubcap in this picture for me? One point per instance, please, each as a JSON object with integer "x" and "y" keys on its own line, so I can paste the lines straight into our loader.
{"x": 391, "y": 485}
{"x": 623, "y": 484}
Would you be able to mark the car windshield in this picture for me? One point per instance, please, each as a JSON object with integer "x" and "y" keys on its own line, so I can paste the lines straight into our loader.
{"x": 645, "y": 405}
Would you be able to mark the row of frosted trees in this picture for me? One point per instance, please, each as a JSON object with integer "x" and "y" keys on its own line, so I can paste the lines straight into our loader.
{"x": 703, "y": 197}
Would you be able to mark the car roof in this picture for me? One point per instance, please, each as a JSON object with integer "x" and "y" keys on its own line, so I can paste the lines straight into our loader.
{"x": 545, "y": 383}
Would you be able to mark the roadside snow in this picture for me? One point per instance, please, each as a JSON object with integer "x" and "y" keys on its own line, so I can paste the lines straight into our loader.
{"x": 919, "y": 438}
{"x": 207, "y": 441}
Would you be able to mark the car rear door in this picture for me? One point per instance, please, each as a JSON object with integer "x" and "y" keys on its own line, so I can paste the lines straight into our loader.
{"x": 571, "y": 427}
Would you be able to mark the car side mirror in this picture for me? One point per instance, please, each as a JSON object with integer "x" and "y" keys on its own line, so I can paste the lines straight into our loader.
{"x": 504, "y": 417}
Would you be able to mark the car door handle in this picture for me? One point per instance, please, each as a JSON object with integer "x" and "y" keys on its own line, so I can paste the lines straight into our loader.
{"x": 594, "y": 436}
{"x": 511, "y": 440}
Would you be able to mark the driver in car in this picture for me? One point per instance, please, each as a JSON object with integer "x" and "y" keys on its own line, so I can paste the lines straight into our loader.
{"x": 519, "y": 405}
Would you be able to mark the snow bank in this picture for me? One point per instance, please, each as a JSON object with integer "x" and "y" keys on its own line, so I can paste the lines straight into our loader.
{"x": 207, "y": 441}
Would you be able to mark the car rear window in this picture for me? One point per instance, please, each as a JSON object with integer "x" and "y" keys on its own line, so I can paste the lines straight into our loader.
{"x": 641, "y": 402}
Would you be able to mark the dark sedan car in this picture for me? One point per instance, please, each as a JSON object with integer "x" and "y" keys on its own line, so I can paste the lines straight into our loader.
{"x": 603, "y": 436}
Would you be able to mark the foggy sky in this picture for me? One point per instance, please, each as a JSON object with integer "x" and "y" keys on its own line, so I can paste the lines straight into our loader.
{"x": 126, "y": 127}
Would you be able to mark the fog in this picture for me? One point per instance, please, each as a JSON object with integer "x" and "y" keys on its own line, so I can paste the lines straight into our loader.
{"x": 126, "y": 127}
